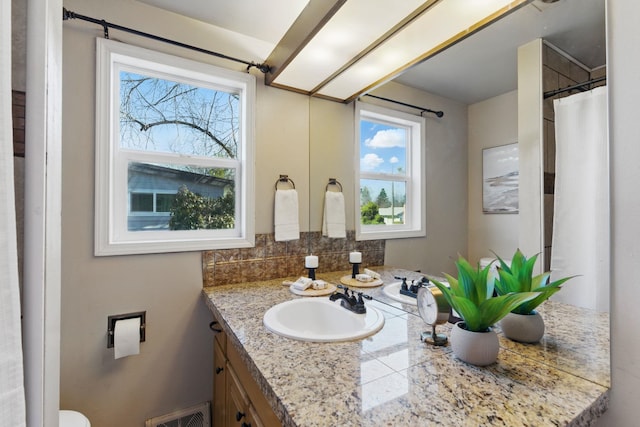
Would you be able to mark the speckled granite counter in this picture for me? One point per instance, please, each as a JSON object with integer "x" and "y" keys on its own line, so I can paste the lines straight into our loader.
{"x": 392, "y": 378}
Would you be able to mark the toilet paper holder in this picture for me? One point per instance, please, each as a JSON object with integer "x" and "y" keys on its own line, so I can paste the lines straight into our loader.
{"x": 111, "y": 325}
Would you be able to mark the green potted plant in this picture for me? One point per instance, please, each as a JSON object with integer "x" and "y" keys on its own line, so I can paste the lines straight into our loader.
{"x": 471, "y": 295}
{"x": 524, "y": 323}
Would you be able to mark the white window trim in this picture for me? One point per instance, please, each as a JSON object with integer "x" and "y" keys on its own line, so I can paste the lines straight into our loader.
{"x": 415, "y": 216}
{"x": 111, "y": 197}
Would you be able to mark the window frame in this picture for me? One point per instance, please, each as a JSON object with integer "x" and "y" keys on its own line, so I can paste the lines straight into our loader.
{"x": 415, "y": 205}
{"x": 112, "y": 236}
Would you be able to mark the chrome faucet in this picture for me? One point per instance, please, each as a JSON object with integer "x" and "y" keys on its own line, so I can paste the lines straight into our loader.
{"x": 350, "y": 301}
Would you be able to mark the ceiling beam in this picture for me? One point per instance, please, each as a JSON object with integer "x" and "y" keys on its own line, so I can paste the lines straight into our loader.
{"x": 314, "y": 16}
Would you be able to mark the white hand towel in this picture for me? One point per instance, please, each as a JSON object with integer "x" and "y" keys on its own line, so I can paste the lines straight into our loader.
{"x": 286, "y": 215}
{"x": 334, "y": 223}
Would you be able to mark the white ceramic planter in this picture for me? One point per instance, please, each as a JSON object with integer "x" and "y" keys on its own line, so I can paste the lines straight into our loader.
{"x": 476, "y": 348}
{"x": 526, "y": 328}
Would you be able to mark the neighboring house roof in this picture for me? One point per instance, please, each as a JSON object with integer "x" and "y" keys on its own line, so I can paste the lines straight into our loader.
{"x": 175, "y": 174}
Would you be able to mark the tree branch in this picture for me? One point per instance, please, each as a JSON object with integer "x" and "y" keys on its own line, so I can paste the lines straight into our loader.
{"x": 147, "y": 126}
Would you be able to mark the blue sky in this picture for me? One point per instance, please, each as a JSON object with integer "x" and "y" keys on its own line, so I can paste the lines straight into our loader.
{"x": 382, "y": 150}
{"x": 155, "y": 100}
{"x": 382, "y": 147}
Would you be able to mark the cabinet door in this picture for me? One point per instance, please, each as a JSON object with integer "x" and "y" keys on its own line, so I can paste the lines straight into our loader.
{"x": 237, "y": 401}
{"x": 251, "y": 389}
{"x": 253, "y": 419}
{"x": 219, "y": 385}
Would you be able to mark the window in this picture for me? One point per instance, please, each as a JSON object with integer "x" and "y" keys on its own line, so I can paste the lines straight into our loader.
{"x": 390, "y": 174}
{"x": 174, "y": 155}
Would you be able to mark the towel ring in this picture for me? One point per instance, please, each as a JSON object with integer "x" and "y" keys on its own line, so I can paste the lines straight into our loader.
{"x": 285, "y": 178}
{"x": 333, "y": 181}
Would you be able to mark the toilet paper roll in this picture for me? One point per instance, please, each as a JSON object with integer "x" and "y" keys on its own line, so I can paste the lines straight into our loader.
{"x": 126, "y": 337}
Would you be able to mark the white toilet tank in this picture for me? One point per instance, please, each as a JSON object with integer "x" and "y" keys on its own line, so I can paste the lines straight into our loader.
{"x": 73, "y": 419}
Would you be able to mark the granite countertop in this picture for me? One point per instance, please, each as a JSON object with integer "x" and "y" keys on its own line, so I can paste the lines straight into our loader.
{"x": 393, "y": 378}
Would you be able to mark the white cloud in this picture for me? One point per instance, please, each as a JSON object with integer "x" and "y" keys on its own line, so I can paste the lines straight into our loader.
{"x": 386, "y": 139}
{"x": 371, "y": 161}
{"x": 394, "y": 160}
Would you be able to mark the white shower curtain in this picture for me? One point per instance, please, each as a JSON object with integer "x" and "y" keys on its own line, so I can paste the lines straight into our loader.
{"x": 12, "y": 398}
{"x": 580, "y": 244}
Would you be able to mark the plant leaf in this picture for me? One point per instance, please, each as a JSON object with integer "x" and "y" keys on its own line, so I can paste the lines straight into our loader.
{"x": 507, "y": 283}
{"x": 518, "y": 277}
{"x": 448, "y": 292}
{"x": 453, "y": 283}
{"x": 528, "y": 306}
{"x": 467, "y": 280}
{"x": 496, "y": 308}
{"x": 471, "y": 314}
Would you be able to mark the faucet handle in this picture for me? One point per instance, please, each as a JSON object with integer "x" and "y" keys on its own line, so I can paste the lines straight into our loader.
{"x": 362, "y": 295}
{"x": 404, "y": 285}
{"x": 346, "y": 290}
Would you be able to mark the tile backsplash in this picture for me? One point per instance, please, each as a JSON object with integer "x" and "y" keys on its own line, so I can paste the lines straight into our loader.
{"x": 269, "y": 259}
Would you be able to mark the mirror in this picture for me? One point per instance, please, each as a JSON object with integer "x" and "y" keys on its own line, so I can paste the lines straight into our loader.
{"x": 451, "y": 81}
{"x": 331, "y": 155}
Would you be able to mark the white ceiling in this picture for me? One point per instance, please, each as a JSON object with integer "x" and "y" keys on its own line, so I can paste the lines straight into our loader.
{"x": 484, "y": 65}
{"x": 263, "y": 20}
{"x": 478, "y": 68}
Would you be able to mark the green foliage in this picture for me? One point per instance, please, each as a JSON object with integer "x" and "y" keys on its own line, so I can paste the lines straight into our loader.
{"x": 365, "y": 196}
{"x": 191, "y": 211}
{"x": 471, "y": 295}
{"x": 518, "y": 277}
{"x": 383, "y": 200}
{"x": 369, "y": 214}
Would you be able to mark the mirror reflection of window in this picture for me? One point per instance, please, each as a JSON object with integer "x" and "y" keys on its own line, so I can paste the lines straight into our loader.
{"x": 390, "y": 147}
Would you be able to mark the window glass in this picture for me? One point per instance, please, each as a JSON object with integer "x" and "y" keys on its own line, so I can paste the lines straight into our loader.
{"x": 390, "y": 173}
{"x": 166, "y": 116}
{"x": 141, "y": 202}
{"x": 164, "y": 202}
{"x": 175, "y": 158}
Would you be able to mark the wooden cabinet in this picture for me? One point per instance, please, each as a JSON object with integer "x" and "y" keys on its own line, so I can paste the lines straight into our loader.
{"x": 219, "y": 385}
{"x": 238, "y": 403}
{"x": 237, "y": 399}
{"x": 253, "y": 419}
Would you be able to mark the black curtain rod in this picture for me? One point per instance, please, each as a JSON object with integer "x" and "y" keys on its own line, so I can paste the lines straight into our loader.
{"x": 422, "y": 109}
{"x": 67, "y": 14}
{"x": 580, "y": 86}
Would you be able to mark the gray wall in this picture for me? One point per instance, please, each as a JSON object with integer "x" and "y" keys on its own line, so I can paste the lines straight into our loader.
{"x": 492, "y": 122}
{"x": 174, "y": 368}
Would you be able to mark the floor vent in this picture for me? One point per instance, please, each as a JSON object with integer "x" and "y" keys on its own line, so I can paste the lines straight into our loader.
{"x": 195, "y": 416}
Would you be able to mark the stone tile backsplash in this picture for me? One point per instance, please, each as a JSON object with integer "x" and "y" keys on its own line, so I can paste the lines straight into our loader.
{"x": 269, "y": 259}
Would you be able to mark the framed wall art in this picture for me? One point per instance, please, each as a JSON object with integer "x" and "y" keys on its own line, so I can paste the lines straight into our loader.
{"x": 500, "y": 176}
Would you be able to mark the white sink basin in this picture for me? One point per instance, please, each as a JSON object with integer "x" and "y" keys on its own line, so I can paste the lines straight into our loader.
{"x": 321, "y": 320}
{"x": 392, "y": 290}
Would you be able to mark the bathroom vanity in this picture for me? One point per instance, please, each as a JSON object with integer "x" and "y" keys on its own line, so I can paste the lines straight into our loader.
{"x": 393, "y": 378}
